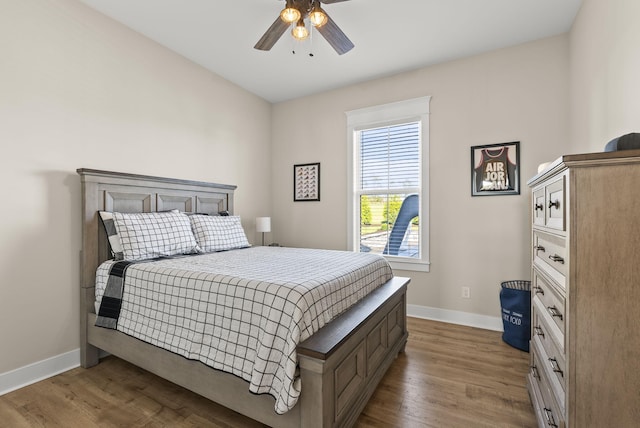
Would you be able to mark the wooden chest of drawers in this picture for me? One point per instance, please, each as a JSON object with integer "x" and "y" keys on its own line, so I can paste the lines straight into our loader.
{"x": 585, "y": 294}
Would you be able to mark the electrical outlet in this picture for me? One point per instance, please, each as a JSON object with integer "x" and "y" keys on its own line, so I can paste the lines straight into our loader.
{"x": 466, "y": 292}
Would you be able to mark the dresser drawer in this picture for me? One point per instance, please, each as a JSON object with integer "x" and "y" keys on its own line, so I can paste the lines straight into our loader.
{"x": 548, "y": 204}
{"x": 555, "y": 204}
{"x": 553, "y": 360}
{"x": 547, "y": 415}
{"x": 549, "y": 412}
{"x": 545, "y": 328}
{"x": 549, "y": 254}
{"x": 551, "y": 302}
{"x": 539, "y": 203}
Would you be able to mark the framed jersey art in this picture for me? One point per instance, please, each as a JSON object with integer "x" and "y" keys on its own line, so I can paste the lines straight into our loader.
{"x": 495, "y": 169}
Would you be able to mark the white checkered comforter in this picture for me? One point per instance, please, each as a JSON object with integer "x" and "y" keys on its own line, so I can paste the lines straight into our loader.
{"x": 244, "y": 311}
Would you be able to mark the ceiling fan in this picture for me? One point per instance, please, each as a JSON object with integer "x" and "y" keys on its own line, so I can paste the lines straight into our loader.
{"x": 294, "y": 14}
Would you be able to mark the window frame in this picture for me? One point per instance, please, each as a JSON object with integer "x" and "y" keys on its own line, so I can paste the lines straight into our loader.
{"x": 412, "y": 110}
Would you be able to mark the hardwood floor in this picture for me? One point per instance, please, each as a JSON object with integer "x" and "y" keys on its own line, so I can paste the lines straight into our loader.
{"x": 452, "y": 376}
{"x": 449, "y": 376}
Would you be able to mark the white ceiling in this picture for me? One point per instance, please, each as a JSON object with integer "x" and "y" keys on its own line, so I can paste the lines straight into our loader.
{"x": 390, "y": 36}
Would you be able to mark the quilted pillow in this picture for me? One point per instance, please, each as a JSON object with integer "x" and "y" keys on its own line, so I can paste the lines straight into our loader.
{"x": 218, "y": 233}
{"x": 149, "y": 235}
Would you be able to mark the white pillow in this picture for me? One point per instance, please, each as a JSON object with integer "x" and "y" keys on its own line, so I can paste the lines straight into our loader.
{"x": 150, "y": 235}
{"x": 218, "y": 233}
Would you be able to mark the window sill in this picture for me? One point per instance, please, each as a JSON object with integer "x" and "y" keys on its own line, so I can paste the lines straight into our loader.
{"x": 416, "y": 266}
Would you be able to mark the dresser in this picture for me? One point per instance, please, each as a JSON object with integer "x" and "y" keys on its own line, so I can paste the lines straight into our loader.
{"x": 585, "y": 291}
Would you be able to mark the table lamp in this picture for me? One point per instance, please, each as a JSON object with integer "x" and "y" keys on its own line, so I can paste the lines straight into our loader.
{"x": 263, "y": 224}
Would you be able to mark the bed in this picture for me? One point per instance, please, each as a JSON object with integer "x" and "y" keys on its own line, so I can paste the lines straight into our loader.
{"x": 338, "y": 366}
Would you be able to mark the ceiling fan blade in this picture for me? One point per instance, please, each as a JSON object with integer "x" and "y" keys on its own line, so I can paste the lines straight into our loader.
{"x": 331, "y": 1}
{"x": 336, "y": 38}
{"x": 272, "y": 35}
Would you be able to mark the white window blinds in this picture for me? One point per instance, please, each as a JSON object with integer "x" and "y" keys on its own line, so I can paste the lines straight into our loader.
{"x": 390, "y": 157}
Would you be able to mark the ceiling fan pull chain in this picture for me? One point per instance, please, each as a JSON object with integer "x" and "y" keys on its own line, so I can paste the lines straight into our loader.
{"x": 311, "y": 41}
{"x": 293, "y": 41}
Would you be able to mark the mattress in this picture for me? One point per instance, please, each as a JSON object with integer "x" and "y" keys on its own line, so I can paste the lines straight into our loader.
{"x": 243, "y": 311}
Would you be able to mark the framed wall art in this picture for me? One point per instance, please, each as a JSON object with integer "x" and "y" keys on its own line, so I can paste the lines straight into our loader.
{"x": 306, "y": 182}
{"x": 495, "y": 169}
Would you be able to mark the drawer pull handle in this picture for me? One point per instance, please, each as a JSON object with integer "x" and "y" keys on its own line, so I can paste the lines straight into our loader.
{"x": 539, "y": 331}
{"x": 534, "y": 372}
{"x": 538, "y": 290}
{"x": 539, "y": 248}
{"x": 539, "y": 207}
{"x": 554, "y": 312}
{"x": 555, "y": 366}
{"x": 549, "y": 415}
{"x": 556, "y": 204}
{"x": 557, "y": 258}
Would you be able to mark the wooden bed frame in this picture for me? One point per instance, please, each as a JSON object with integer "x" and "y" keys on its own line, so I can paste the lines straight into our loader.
{"x": 340, "y": 365}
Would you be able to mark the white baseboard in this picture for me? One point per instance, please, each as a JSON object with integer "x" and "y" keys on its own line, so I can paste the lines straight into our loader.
{"x": 455, "y": 317}
{"x": 23, "y": 376}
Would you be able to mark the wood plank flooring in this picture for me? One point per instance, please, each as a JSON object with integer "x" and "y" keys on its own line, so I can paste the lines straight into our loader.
{"x": 449, "y": 376}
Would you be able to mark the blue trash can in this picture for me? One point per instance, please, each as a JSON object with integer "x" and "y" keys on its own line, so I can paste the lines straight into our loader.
{"x": 515, "y": 301}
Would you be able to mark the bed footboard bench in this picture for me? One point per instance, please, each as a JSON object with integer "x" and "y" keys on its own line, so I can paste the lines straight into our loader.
{"x": 349, "y": 357}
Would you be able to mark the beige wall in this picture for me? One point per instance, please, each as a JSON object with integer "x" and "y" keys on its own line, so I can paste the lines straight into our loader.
{"x": 605, "y": 73}
{"x": 78, "y": 90}
{"x": 515, "y": 94}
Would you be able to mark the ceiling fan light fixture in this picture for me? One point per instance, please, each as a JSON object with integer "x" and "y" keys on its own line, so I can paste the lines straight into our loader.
{"x": 300, "y": 32}
{"x": 300, "y": 17}
{"x": 290, "y": 14}
{"x": 317, "y": 16}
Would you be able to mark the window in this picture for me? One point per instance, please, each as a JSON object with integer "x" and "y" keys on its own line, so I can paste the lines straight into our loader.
{"x": 388, "y": 147}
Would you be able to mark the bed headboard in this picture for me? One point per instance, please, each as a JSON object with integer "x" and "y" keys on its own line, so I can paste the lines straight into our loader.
{"x": 115, "y": 191}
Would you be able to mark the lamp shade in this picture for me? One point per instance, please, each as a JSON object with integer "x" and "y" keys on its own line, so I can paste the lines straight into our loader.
{"x": 317, "y": 16}
{"x": 263, "y": 224}
{"x": 289, "y": 15}
{"x": 300, "y": 32}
